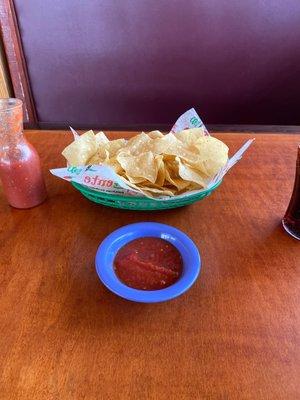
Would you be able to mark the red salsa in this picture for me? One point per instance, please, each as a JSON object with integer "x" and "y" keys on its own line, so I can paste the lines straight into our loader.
{"x": 148, "y": 263}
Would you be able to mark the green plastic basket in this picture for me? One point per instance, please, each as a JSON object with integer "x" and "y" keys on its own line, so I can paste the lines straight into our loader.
{"x": 140, "y": 203}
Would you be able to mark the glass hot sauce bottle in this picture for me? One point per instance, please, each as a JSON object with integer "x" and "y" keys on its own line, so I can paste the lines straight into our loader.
{"x": 20, "y": 167}
{"x": 291, "y": 220}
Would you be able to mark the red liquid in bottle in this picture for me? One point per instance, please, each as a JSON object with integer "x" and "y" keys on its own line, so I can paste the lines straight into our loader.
{"x": 20, "y": 168}
{"x": 291, "y": 220}
{"x": 22, "y": 179}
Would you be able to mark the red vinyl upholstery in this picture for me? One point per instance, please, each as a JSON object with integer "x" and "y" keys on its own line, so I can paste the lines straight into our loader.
{"x": 119, "y": 64}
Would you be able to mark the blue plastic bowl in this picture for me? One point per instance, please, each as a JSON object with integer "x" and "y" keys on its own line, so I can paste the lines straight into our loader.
{"x": 112, "y": 243}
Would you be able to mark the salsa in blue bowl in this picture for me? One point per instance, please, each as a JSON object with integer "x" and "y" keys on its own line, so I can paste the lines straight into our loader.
{"x": 145, "y": 238}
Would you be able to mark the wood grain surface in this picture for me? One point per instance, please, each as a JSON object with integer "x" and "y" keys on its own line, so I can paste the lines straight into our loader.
{"x": 233, "y": 335}
{"x": 5, "y": 86}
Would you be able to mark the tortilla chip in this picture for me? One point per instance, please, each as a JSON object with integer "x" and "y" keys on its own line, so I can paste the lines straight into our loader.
{"x": 141, "y": 166}
{"x": 212, "y": 155}
{"x": 190, "y": 136}
{"x": 170, "y": 145}
{"x": 114, "y": 146}
{"x": 189, "y": 174}
{"x": 101, "y": 138}
{"x": 161, "y": 173}
{"x": 81, "y": 150}
{"x": 138, "y": 144}
{"x": 155, "y": 134}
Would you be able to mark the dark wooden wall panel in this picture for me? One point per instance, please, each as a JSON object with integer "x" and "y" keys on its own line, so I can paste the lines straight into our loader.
{"x": 16, "y": 60}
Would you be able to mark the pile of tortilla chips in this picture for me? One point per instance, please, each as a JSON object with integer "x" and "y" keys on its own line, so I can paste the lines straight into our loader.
{"x": 153, "y": 163}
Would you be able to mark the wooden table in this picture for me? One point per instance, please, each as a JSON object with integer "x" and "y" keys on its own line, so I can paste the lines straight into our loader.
{"x": 234, "y": 335}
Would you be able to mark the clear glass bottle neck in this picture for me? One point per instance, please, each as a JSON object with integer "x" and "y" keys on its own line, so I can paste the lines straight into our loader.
{"x": 11, "y": 127}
